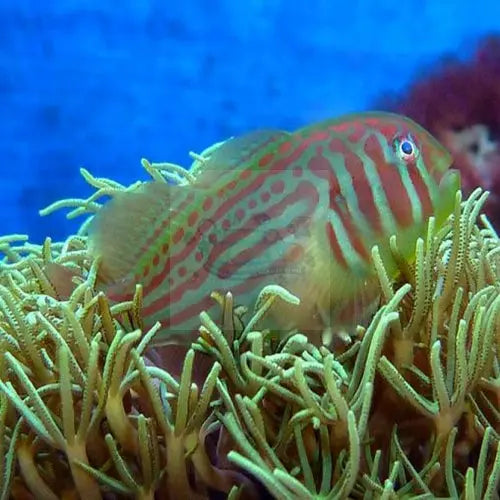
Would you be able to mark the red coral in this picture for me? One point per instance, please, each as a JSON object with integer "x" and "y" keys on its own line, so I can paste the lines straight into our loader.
{"x": 459, "y": 103}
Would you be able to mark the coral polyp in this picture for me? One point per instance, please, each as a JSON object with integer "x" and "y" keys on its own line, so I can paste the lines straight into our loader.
{"x": 409, "y": 408}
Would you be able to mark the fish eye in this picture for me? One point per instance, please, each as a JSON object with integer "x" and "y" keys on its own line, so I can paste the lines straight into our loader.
{"x": 406, "y": 148}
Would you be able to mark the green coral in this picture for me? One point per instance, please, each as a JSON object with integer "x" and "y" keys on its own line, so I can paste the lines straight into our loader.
{"x": 409, "y": 409}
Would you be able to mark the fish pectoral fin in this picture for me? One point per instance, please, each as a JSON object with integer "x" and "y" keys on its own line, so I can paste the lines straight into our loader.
{"x": 332, "y": 303}
{"x": 343, "y": 297}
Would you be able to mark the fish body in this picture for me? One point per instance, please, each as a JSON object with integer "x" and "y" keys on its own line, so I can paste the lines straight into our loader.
{"x": 299, "y": 209}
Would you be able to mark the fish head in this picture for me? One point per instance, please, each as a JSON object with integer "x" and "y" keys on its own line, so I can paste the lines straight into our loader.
{"x": 401, "y": 176}
{"x": 407, "y": 144}
{"x": 402, "y": 143}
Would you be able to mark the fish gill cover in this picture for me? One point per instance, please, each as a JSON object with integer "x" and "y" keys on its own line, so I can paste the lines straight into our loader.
{"x": 409, "y": 409}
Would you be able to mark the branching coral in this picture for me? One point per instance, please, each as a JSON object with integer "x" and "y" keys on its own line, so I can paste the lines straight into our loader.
{"x": 397, "y": 413}
{"x": 411, "y": 408}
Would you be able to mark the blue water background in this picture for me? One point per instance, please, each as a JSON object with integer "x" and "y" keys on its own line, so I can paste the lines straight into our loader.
{"x": 102, "y": 84}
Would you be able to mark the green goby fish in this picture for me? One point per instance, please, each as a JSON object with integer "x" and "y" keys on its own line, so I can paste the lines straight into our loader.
{"x": 298, "y": 209}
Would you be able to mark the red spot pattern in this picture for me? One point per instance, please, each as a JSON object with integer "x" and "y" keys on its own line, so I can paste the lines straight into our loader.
{"x": 178, "y": 235}
{"x": 322, "y": 168}
{"x": 341, "y": 127}
{"x": 303, "y": 191}
{"x": 192, "y": 218}
{"x": 266, "y": 159}
{"x": 318, "y": 136}
{"x": 277, "y": 187}
{"x": 207, "y": 203}
{"x": 285, "y": 147}
{"x": 295, "y": 253}
{"x": 166, "y": 301}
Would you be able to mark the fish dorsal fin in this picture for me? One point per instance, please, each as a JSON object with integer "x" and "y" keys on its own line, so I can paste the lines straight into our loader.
{"x": 122, "y": 229}
{"x": 236, "y": 152}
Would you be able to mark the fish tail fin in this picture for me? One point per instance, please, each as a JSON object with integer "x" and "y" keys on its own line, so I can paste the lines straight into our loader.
{"x": 126, "y": 228}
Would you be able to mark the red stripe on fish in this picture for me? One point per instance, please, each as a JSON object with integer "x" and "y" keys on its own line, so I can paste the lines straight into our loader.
{"x": 339, "y": 205}
{"x": 390, "y": 178}
{"x": 249, "y": 284}
{"x": 187, "y": 249}
{"x": 277, "y": 167}
{"x": 178, "y": 271}
{"x": 361, "y": 184}
{"x": 322, "y": 166}
{"x": 165, "y": 222}
{"x": 421, "y": 189}
{"x": 334, "y": 245}
{"x": 304, "y": 191}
